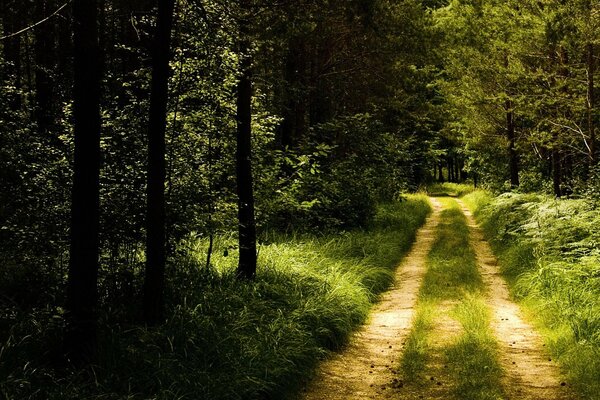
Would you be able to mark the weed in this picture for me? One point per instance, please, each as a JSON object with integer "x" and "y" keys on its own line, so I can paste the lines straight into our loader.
{"x": 226, "y": 339}
{"x": 548, "y": 250}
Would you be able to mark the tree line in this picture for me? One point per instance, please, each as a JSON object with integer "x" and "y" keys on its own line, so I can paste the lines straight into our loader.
{"x": 128, "y": 126}
{"x": 521, "y": 77}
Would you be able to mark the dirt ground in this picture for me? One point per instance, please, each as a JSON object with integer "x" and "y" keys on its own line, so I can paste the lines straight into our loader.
{"x": 366, "y": 369}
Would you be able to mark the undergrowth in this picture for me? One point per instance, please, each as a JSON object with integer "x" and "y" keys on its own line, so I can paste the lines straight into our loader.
{"x": 225, "y": 339}
{"x": 548, "y": 250}
{"x": 452, "y": 278}
{"x": 449, "y": 189}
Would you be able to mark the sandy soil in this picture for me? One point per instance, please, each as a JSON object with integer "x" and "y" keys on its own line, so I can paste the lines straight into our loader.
{"x": 530, "y": 372}
{"x": 364, "y": 370}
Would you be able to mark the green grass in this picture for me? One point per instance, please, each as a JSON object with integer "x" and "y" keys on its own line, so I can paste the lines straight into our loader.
{"x": 225, "y": 339}
{"x": 449, "y": 189}
{"x": 452, "y": 268}
{"x": 548, "y": 251}
{"x": 453, "y": 275}
{"x": 417, "y": 349}
{"x": 473, "y": 357}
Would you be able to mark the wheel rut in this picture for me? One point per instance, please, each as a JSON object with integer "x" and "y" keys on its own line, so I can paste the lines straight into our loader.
{"x": 530, "y": 374}
{"x": 365, "y": 368}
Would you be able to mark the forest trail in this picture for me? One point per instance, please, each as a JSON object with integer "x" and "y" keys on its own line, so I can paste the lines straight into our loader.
{"x": 367, "y": 368}
{"x": 530, "y": 374}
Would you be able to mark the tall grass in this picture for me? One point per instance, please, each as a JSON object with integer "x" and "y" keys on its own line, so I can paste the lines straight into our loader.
{"x": 225, "y": 339}
{"x": 452, "y": 268}
{"x": 453, "y": 275}
{"x": 548, "y": 250}
{"x": 473, "y": 357}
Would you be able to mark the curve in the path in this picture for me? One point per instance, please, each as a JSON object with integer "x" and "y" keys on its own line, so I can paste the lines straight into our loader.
{"x": 529, "y": 372}
{"x": 365, "y": 368}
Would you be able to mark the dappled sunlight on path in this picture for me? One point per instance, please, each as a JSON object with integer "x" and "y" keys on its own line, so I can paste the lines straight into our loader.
{"x": 530, "y": 374}
{"x": 366, "y": 368}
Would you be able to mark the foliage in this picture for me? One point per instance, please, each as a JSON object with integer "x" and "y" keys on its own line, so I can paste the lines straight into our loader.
{"x": 226, "y": 339}
{"x": 548, "y": 249}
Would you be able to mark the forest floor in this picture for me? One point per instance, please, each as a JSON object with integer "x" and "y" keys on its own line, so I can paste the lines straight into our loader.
{"x": 371, "y": 366}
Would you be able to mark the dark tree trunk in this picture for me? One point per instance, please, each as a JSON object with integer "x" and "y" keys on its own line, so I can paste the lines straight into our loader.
{"x": 154, "y": 282}
{"x": 591, "y": 104}
{"x": 513, "y": 157}
{"x": 80, "y": 337}
{"x": 11, "y": 21}
{"x": 44, "y": 67}
{"x": 293, "y": 127}
{"x": 247, "y": 226}
{"x": 441, "y": 168}
{"x": 456, "y": 169}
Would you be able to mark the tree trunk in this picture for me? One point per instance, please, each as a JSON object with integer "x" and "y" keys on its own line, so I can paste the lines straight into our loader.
{"x": 154, "y": 283}
{"x": 513, "y": 157}
{"x": 44, "y": 68}
{"x": 80, "y": 337}
{"x": 591, "y": 104}
{"x": 247, "y": 225}
{"x": 293, "y": 127}
{"x": 12, "y": 49}
{"x": 441, "y": 168}
{"x": 556, "y": 170}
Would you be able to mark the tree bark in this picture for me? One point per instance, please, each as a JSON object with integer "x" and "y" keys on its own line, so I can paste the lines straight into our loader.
{"x": 80, "y": 338}
{"x": 556, "y": 167}
{"x": 513, "y": 157}
{"x": 44, "y": 67}
{"x": 154, "y": 283}
{"x": 591, "y": 104}
{"x": 12, "y": 48}
{"x": 247, "y": 225}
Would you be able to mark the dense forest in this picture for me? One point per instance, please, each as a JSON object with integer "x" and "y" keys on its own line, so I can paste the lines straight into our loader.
{"x": 199, "y": 199}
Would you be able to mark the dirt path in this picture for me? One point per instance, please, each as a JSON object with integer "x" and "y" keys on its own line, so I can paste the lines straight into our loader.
{"x": 365, "y": 369}
{"x": 530, "y": 372}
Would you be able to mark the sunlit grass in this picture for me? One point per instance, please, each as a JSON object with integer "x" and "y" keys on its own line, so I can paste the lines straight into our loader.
{"x": 453, "y": 276}
{"x": 417, "y": 349}
{"x": 226, "y": 339}
{"x": 449, "y": 189}
{"x": 452, "y": 268}
{"x": 547, "y": 250}
{"x": 473, "y": 357}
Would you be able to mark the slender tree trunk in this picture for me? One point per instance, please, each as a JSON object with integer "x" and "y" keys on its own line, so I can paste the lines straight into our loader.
{"x": 591, "y": 104}
{"x": 11, "y": 22}
{"x": 247, "y": 225}
{"x": 44, "y": 67}
{"x": 456, "y": 169}
{"x": 441, "y": 168}
{"x": 80, "y": 340}
{"x": 556, "y": 167}
{"x": 513, "y": 157}
{"x": 450, "y": 169}
{"x": 293, "y": 127}
{"x": 154, "y": 283}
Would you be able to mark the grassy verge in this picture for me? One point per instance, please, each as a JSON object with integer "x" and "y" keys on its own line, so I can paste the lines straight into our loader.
{"x": 473, "y": 357}
{"x": 453, "y": 276}
{"x": 225, "y": 339}
{"x": 548, "y": 251}
{"x": 450, "y": 189}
